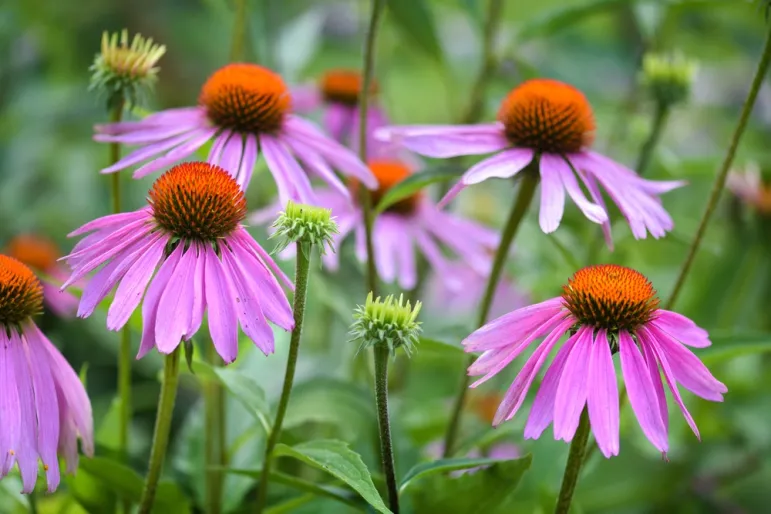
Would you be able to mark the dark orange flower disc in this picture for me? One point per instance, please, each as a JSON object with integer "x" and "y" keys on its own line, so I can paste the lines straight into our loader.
{"x": 388, "y": 174}
{"x": 343, "y": 86}
{"x": 21, "y": 294}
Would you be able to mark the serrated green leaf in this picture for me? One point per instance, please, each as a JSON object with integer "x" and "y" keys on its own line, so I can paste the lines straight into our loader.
{"x": 426, "y": 469}
{"x": 337, "y": 459}
{"x": 416, "y": 19}
{"x": 415, "y": 182}
{"x": 480, "y": 492}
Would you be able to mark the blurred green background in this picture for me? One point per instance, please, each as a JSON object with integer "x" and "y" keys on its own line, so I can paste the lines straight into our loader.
{"x": 428, "y": 55}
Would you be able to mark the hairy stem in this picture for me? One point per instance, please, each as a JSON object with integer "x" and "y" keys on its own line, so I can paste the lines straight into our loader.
{"x": 162, "y": 428}
{"x": 527, "y": 188}
{"x": 722, "y": 174}
{"x": 300, "y": 294}
{"x": 647, "y": 150}
{"x": 381, "y": 355}
{"x": 364, "y": 196}
{"x": 573, "y": 466}
{"x": 214, "y": 427}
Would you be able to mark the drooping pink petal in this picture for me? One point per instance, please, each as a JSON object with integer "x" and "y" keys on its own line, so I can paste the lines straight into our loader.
{"x": 147, "y": 152}
{"x": 442, "y": 141}
{"x": 153, "y": 298}
{"x": 592, "y": 211}
{"x": 27, "y": 451}
{"x": 315, "y": 163}
{"x": 681, "y": 328}
{"x": 248, "y": 161}
{"x": 658, "y": 387}
{"x": 687, "y": 369}
{"x": 278, "y": 158}
{"x": 175, "y": 308}
{"x": 223, "y": 320}
{"x": 408, "y": 270}
{"x": 542, "y": 411}
{"x": 602, "y": 396}
{"x": 386, "y": 233}
{"x": 198, "y": 293}
{"x": 338, "y": 120}
{"x": 515, "y": 395}
{"x": 112, "y": 220}
{"x": 10, "y": 408}
{"x": 246, "y": 241}
{"x": 196, "y": 141}
{"x": 642, "y": 392}
{"x": 552, "y": 196}
{"x": 572, "y": 389}
{"x": 231, "y": 153}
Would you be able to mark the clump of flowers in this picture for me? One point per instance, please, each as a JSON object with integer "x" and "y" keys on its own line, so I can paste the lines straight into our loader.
{"x": 388, "y": 322}
{"x": 125, "y": 68}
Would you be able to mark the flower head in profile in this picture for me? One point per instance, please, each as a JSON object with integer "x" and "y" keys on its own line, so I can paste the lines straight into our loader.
{"x": 389, "y": 322}
{"x": 45, "y": 409}
{"x": 307, "y": 225}
{"x": 124, "y": 71}
{"x": 547, "y": 125}
{"x": 750, "y": 187}
{"x": 40, "y": 253}
{"x": 245, "y": 110}
{"x": 409, "y": 225}
{"x": 206, "y": 261}
{"x": 605, "y": 309}
{"x": 337, "y": 93}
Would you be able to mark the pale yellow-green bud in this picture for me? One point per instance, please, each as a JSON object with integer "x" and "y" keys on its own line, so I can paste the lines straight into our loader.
{"x": 390, "y": 322}
{"x": 668, "y": 77}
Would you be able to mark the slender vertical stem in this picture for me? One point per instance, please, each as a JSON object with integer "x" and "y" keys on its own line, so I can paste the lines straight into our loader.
{"x": 300, "y": 294}
{"x": 239, "y": 31}
{"x": 647, "y": 150}
{"x": 214, "y": 426}
{"x": 529, "y": 181}
{"x": 366, "y": 201}
{"x": 489, "y": 61}
{"x": 573, "y": 466}
{"x": 162, "y": 428}
{"x": 382, "y": 355}
{"x": 720, "y": 179}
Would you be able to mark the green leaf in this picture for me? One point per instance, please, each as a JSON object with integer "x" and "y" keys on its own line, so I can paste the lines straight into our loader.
{"x": 126, "y": 483}
{"x": 427, "y": 344}
{"x": 107, "y": 433}
{"x": 337, "y": 459}
{"x": 414, "y": 183}
{"x": 730, "y": 346}
{"x": 414, "y": 18}
{"x": 484, "y": 491}
{"x": 425, "y": 469}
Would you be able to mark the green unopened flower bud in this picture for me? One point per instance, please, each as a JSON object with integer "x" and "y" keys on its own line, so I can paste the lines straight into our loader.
{"x": 307, "y": 225}
{"x": 124, "y": 72}
{"x": 668, "y": 77}
{"x": 390, "y": 322}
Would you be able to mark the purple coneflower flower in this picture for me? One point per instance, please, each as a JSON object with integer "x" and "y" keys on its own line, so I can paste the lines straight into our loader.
{"x": 606, "y": 309}
{"x": 549, "y": 124}
{"x": 44, "y": 408}
{"x": 411, "y": 223}
{"x": 246, "y": 110}
{"x": 192, "y": 233}
{"x": 338, "y": 94}
{"x": 40, "y": 254}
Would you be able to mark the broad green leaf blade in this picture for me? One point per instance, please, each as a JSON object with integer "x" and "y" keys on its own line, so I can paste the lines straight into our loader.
{"x": 415, "y": 18}
{"x": 427, "y": 344}
{"x": 415, "y": 182}
{"x": 327, "y": 491}
{"x": 481, "y": 492}
{"x": 425, "y": 469}
{"x": 337, "y": 459}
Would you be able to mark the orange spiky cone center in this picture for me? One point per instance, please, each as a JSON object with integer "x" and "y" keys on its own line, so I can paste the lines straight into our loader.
{"x": 388, "y": 174}
{"x": 547, "y": 116}
{"x": 246, "y": 98}
{"x": 344, "y": 86}
{"x": 37, "y": 252}
{"x": 197, "y": 201}
{"x": 21, "y": 294}
{"x": 611, "y": 297}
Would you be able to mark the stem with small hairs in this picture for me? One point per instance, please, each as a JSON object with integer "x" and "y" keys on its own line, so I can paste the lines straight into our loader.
{"x": 162, "y": 428}
{"x": 720, "y": 179}
{"x": 378, "y": 6}
{"x": 573, "y": 465}
{"x": 214, "y": 427}
{"x": 529, "y": 182}
{"x": 302, "y": 266}
{"x": 381, "y": 356}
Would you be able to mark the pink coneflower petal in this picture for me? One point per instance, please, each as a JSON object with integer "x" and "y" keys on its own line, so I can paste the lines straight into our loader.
{"x": 26, "y": 454}
{"x": 175, "y": 306}
{"x": 408, "y": 267}
{"x": 573, "y": 386}
{"x": 10, "y": 411}
{"x": 314, "y": 162}
{"x": 223, "y": 320}
{"x": 230, "y": 155}
{"x": 687, "y": 332}
{"x": 602, "y": 397}
{"x": 196, "y": 141}
{"x": 592, "y": 211}
{"x": 278, "y": 158}
{"x": 447, "y": 141}
{"x": 658, "y": 387}
{"x": 146, "y": 152}
{"x": 552, "y": 199}
{"x": 642, "y": 394}
{"x": 199, "y": 295}
{"x": 152, "y": 299}
{"x": 248, "y": 161}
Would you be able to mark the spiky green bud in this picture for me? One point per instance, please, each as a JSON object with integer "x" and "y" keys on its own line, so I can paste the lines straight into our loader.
{"x": 388, "y": 322}
{"x": 668, "y": 77}
{"x": 124, "y": 72}
{"x": 305, "y": 224}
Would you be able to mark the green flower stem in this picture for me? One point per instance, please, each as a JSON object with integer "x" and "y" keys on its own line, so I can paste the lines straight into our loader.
{"x": 124, "y": 350}
{"x": 378, "y": 6}
{"x": 529, "y": 182}
{"x": 573, "y": 466}
{"x": 489, "y": 62}
{"x": 719, "y": 184}
{"x": 239, "y": 31}
{"x": 382, "y": 354}
{"x": 214, "y": 433}
{"x": 657, "y": 129}
{"x": 300, "y": 294}
{"x": 162, "y": 428}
